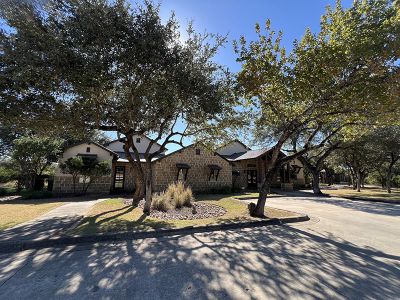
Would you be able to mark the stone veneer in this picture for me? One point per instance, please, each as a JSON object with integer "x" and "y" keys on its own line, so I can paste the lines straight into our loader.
{"x": 165, "y": 170}
{"x": 63, "y": 184}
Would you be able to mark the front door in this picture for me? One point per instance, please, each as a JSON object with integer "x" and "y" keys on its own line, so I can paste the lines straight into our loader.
{"x": 119, "y": 178}
{"x": 252, "y": 179}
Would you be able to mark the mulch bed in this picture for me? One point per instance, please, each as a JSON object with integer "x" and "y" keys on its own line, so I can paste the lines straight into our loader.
{"x": 197, "y": 211}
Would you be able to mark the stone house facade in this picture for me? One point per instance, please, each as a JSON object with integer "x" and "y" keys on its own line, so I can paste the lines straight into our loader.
{"x": 232, "y": 166}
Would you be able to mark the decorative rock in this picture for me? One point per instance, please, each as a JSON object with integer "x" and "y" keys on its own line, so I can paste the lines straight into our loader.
{"x": 197, "y": 211}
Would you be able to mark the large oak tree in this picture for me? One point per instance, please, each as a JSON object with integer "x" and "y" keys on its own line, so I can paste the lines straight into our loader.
{"x": 81, "y": 64}
{"x": 345, "y": 75}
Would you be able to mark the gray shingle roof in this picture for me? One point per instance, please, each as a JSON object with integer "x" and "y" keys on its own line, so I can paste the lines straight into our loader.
{"x": 246, "y": 155}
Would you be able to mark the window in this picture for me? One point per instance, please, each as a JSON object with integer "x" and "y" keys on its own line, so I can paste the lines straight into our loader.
{"x": 119, "y": 177}
{"x": 138, "y": 140}
{"x": 198, "y": 152}
{"x": 182, "y": 172}
{"x": 87, "y": 149}
{"x": 214, "y": 172}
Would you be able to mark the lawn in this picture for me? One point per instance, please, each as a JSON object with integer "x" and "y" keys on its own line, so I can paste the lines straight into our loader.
{"x": 113, "y": 215}
{"x": 14, "y": 212}
{"x": 368, "y": 193}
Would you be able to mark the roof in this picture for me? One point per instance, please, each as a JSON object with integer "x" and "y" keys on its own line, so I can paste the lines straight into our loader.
{"x": 234, "y": 141}
{"x": 123, "y": 158}
{"x": 97, "y": 144}
{"x": 247, "y": 155}
{"x": 122, "y": 139}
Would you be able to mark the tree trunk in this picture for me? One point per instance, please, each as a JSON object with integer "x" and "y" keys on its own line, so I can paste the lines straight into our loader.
{"x": 389, "y": 180}
{"x": 358, "y": 181}
{"x": 262, "y": 199}
{"x": 149, "y": 187}
{"x": 139, "y": 189}
{"x": 315, "y": 182}
{"x": 258, "y": 210}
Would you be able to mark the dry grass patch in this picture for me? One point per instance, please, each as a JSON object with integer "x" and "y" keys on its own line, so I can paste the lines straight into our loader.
{"x": 114, "y": 216}
{"x": 14, "y": 212}
{"x": 368, "y": 193}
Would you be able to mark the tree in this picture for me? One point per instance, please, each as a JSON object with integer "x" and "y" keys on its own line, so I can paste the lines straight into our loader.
{"x": 89, "y": 170}
{"x": 32, "y": 155}
{"x": 314, "y": 161}
{"x": 102, "y": 65}
{"x": 384, "y": 143}
{"x": 332, "y": 79}
{"x": 72, "y": 166}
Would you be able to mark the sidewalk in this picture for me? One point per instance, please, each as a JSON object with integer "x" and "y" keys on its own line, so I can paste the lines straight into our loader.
{"x": 50, "y": 225}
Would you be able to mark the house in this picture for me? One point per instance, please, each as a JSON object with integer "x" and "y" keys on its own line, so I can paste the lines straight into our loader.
{"x": 234, "y": 165}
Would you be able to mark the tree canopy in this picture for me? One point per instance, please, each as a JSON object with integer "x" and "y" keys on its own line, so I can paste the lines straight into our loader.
{"x": 345, "y": 76}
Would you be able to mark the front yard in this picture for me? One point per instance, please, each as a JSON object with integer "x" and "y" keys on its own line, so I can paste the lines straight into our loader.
{"x": 367, "y": 193}
{"x": 14, "y": 212}
{"x": 113, "y": 215}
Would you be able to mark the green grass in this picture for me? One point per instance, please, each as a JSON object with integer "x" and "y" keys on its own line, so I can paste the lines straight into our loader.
{"x": 113, "y": 215}
{"x": 14, "y": 212}
{"x": 368, "y": 193}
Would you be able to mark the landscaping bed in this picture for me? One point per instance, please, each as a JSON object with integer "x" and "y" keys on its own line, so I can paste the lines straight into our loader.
{"x": 197, "y": 211}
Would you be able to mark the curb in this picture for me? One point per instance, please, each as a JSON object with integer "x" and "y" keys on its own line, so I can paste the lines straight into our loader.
{"x": 372, "y": 200}
{"x": 10, "y": 247}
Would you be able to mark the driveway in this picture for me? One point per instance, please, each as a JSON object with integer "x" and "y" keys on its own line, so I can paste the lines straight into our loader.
{"x": 348, "y": 250}
{"x": 52, "y": 224}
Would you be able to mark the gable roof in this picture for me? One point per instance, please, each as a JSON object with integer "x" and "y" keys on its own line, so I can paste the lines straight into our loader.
{"x": 94, "y": 143}
{"x": 251, "y": 154}
{"x": 234, "y": 141}
{"x": 123, "y": 139}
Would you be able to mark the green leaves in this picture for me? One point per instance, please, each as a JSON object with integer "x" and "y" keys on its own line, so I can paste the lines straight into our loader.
{"x": 346, "y": 75}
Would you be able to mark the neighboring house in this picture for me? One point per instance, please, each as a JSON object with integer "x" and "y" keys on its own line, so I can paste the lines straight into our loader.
{"x": 234, "y": 165}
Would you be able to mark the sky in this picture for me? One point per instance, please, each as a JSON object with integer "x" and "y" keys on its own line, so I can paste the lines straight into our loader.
{"x": 238, "y": 17}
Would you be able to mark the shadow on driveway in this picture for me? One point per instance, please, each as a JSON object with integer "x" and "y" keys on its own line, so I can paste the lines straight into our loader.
{"x": 259, "y": 263}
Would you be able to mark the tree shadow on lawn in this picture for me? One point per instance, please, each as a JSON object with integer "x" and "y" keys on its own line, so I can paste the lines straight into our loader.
{"x": 90, "y": 224}
{"x": 265, "y": 262}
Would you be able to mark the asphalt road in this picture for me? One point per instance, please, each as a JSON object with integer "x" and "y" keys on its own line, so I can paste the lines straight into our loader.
{"x": 348, "y": 250}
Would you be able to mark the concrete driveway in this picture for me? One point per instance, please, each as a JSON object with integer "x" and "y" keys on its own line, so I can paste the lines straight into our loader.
{"x": 349, "y": 250}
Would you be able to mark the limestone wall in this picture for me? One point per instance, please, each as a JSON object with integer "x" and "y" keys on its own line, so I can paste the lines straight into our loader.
{"x": 63, "y": 184}
{"x": 165, "y": 170}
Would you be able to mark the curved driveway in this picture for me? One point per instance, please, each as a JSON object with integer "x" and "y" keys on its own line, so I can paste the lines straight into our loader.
{"x": 349, "y": 250}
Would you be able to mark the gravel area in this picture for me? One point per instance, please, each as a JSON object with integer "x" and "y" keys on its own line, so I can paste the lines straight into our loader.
{"x": 197, "y": 211}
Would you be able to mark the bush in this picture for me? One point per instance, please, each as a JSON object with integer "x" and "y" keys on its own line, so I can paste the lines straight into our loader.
{"x": 7, "y": 174}
{"x": 36, "y": 194}
{"x": 161, "y": 202}
{"x": 3, "y": 192}
{"x": 175, "y": 196}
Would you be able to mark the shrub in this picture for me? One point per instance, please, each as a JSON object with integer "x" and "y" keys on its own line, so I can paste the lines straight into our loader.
{"x": 28, "y": 194}
{"x": 175, "y": 196}
{"x": 3, "y": 192}
{"x": 161, "y": 202}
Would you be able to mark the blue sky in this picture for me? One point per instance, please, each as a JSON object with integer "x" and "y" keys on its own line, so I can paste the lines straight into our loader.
{"x": 238, "y": 17}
